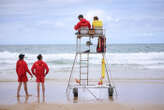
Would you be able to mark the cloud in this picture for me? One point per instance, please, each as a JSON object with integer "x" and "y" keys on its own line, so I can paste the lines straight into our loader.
{"x": 147, "y": 34}
{"x": 91, "y": 13}
{"x": 102, "y": 14}
{"x": 52, "y": 23}
{"x": 59, "y": 24}
{"x": 57, "y": 17}
{"x": 65, "y": 1}
{"x": 112, "y": 19}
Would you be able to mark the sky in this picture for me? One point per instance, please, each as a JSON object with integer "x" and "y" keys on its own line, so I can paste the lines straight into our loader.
{"x": 52, "y": 21}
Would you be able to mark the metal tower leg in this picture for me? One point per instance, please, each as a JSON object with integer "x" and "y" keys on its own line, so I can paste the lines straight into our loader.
{"x": 71, "y": 72}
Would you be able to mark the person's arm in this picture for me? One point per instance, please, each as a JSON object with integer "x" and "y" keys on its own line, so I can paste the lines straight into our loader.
{"x": 77, "y": 26}
{"x": 101, "y": 23}
{"x": 27, "y": 70}
{"x": 93, "y": 25}
{"x": 47, "y": 69}
{"x": 89, "y": 25}
{"x": 33, "y": 69}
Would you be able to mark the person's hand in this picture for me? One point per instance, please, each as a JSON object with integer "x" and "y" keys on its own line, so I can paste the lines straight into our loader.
{"x": 79, "y": 36}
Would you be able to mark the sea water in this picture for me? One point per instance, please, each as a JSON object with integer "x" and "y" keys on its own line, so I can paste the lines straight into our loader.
{"x": 125, "y": 61}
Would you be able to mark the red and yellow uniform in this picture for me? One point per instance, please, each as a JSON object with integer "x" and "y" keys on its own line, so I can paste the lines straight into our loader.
{"x": 97, "y": 24}
{"x": 82, "y": 23}
{"x": 40, "y": 70}
{"x": 21, "y": 69}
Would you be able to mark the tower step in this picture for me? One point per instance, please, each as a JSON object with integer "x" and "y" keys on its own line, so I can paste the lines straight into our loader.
{"x": 83, "y": 60}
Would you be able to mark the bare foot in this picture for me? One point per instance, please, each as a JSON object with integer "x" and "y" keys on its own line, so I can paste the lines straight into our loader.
{"x": 44, "y": 96}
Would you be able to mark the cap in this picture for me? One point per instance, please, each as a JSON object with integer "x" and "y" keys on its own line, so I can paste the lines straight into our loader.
{"x": 21, "y": 56}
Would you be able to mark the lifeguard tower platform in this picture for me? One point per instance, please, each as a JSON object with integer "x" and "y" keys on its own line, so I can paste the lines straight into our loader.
{"x": 82, "y": 79}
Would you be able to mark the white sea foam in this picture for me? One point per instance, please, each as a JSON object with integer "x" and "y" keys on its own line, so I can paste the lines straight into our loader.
{"x": 60, "y": 64}
{"x": 151, "y": 58}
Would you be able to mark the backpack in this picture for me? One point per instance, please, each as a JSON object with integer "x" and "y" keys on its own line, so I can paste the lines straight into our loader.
{"x": 101, "y": 46}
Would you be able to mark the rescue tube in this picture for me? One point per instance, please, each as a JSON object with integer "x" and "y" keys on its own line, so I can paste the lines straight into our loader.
{"x": 102, "y": 72}
{"x": 103, "y": 69}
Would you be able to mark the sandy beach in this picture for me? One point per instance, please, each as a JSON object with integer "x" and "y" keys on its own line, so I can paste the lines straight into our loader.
{"x": 109, "y": 53}
{"x": 132, "y": 95}
{"x": 105, "y": 106}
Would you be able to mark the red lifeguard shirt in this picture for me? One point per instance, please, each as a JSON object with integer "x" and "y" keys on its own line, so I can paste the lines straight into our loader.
{"x": 82, "y": 23}
{"x": 21, "y": 69}
{"x": 40, "y": 70}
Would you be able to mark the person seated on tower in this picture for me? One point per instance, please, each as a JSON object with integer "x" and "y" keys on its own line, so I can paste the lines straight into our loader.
{"x": 82, "y": 23}
{"x": 97, "y": 23}
{"x": 97, "y": 26}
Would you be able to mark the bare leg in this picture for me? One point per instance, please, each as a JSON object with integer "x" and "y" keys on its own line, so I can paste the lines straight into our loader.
{"x": 43, "y": 89}
{"x": 19, "y": 87}
{"x": 38, "y": 99}
{"x": 18, "y": 99}
{"x": 38, "y": 89}
{"x": 25, "y": 88}
{"x": 44, "y": 99}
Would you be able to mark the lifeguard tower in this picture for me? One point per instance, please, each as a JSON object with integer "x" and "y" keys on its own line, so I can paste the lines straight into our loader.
{"x": 82, "y": 79}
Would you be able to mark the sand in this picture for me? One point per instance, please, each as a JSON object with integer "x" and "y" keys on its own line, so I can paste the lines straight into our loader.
{"x": 103, "y": 106}
{"x": 132, "y": 95}
{"x": 64, "y": 107}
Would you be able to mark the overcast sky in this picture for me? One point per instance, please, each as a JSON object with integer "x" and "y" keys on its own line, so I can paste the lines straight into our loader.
{"x": 52, "y": 21}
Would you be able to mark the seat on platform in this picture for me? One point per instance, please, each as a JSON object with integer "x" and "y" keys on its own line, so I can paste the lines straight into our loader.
{"x": 84, "y": 30}
{"x": 98, "y": 31}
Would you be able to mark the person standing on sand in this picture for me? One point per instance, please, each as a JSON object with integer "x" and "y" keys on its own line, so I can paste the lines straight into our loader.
{"x": 21, "y": 69}
{"x": 38, "y": 69}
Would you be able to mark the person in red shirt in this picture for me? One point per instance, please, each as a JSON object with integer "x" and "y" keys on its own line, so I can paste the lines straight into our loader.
{"x": 40, "y": 70}
{"x": 21, "y": 69}
{"x": 82, "y": 23}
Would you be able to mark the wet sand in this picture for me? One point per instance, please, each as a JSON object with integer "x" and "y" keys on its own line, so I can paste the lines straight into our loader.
{"x": 132, "y": 95}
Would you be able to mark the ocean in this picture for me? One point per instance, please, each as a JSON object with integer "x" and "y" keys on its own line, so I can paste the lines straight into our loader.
{"x": 125, "y": 61}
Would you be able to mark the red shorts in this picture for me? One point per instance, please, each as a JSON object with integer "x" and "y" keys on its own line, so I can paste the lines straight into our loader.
{"x": 40, "y": 79}
{"x": 22, "y": 79}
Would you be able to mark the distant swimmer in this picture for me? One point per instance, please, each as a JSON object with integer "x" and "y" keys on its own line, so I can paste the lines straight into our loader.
{"x": 21, "y": 69}
{"x": 40, "y": 70}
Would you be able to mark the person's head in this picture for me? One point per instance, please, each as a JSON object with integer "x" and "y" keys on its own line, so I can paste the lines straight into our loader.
{"x": 95, "y": 18}
{"x": 80, "y": 17}
{"x": 21, "y": 56}
{"x": 39, "y": 57}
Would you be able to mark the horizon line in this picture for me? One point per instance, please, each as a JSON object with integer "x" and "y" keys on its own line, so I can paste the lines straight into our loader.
{"x": 82, "y": 44}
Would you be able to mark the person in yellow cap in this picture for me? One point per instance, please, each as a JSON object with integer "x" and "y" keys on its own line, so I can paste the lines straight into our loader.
{"x": 97, "y": 23}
